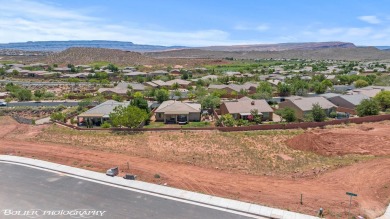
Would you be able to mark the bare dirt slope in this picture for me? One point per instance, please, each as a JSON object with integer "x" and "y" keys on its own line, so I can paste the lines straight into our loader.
{"x": 370, "y": 179}
{"x": 366, "y": 139}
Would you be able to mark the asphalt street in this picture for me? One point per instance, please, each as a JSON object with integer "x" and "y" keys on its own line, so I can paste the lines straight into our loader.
{"x": 24, "y": 188}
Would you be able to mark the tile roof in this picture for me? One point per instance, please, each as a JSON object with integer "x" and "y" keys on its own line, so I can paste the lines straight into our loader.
{"x": 177, "y": 107}
{"x": 306, "y": 103}
{"x": 246, "y": 105}
{"x": 103, "y": 109}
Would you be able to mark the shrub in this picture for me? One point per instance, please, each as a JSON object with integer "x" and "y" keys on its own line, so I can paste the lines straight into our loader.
{"x": 157, "y": 176}
{"x": 318, "y": 113}
{"x": 368, "y": 107}
{"x": 287, "y": 114}
{"x": 58, "y": 116}
{"x": 106, "y": 125}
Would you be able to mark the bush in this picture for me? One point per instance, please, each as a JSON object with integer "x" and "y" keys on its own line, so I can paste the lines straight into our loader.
{"x": 287, "y": 114}
{"x": 318, "y": 113}
{"x": 226, "y": 120}
{"x": 242, "y": 122}
{"x": 333, "y": 114}
{"x": 58, "y": 116}
{"x": 106, "y": 125}
{"x": 157, "y": 176}
{"x": 368, "y": 107}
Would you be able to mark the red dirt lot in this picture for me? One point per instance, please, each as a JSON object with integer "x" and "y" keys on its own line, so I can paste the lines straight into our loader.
{"x": 364, "y": 139}
{"x": 369, "y": 179}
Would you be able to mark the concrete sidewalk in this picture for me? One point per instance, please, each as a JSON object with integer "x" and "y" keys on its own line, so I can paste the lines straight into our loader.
{"x": 180, "y": 195}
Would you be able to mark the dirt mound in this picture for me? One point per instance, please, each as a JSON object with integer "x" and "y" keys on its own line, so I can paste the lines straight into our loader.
{"x": 369, "y": 139}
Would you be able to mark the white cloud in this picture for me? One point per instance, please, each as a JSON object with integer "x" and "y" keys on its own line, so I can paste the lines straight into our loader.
{"x": 259, "y": 28}
{"x": 370, "y": 19}
{"x": 262, "y": 27}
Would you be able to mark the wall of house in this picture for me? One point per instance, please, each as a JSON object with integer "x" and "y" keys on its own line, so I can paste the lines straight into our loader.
{"x": 159, "y": 116}
{"x": 287, "y": 103}
{"x": 194, "y": 117}
{"x": 223, "y": 109}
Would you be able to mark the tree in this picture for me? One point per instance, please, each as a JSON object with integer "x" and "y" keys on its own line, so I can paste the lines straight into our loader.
{"x": 368, "y": 107}
{"x": 318, "y": 113}
{"x": 361, "y": 83}
{"x": 284, "y": 89}
{"x": 184, "y": 76}
{"x": 227, "y": 120}
{"x": 138, "y": 95}
{"x": 319, "y": 88}
{"x": 327, "y": 83}
{"x": 287, "y": 113}
{"x": 23, "y": 94}
{"x": 264, "y": 87}
{"x": 210, "y": 102}
{"x": 130, "y": 116}
{"x": 140, "y": 103}
{"x": 39, "y": 93}
{"x": 383, "y": 98}
{"x": 175, "y": 86}
{"x": 161, "y": 95}
{"x": 255, "y": 117}
{"x": 112, "y": 67}
{"x": 58, "y": 116}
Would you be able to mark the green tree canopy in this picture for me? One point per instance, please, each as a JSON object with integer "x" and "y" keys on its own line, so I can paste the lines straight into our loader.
{"x": 161, "y": 95}
{"x": 318, "y": 113}
{"x": 23, "y": 94}
{"x": 130, "y": 116}
{"x": 383, "y": 98}
{"x": 140, "y": 103}
{"x": 287, "y": 113}
{"x": 210, "y": 102}
{"x": 368, "y": 107}
{"x": 284, "y": 89}
{"x": 361, "y": 83}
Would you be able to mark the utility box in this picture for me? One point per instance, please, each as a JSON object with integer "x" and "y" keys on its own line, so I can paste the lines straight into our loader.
{"x": 112, "y": 171}
{"x": 130, "y": 177}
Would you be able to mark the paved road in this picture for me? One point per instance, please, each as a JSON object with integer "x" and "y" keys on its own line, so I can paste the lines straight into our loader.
{"x": 36, "y": 104}
{"x": 24, "y": 188}
{"x": 37, "y": 83}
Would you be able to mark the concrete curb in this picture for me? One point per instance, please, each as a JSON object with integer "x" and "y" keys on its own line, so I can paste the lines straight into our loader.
{"x": 198, "y": 198}
{"x": 386, "y": 215}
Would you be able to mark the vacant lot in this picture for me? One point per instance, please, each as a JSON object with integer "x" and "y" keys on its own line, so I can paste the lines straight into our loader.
{"x": 251, "y": 166}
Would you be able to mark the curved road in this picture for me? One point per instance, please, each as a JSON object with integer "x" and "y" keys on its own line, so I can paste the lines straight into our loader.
{"x": 23, "y": 188}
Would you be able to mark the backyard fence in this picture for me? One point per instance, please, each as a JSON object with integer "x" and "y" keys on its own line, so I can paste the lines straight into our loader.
{"x": 302, "y": 125}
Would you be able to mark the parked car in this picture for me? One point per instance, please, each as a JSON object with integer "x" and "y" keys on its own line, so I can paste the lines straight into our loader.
{"x": 3, "y": 103}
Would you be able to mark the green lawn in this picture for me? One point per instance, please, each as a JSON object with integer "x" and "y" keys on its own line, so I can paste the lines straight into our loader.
{"x": 197, "y": 125}
{"x": 155, "y": 125}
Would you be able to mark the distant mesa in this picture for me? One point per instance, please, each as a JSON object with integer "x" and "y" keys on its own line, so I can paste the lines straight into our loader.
{"x": 281, "y": 46}
{"x": 57, "y": 46}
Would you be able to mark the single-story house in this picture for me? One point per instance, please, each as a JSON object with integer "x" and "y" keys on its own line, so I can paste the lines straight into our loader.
{"x": 241, "y": 108}
{"x": 248, "y": 86}
{"x": 77, "y": 75}
{"x": 172, "y": 111}
{"x": 62, "y": 69}
{"x": 100, "y": 113}
{"x": 122, "y": 88}
{"x": 348, "y": 101}
{"x": 135, "y": 74}
{"x": 180, "y": 82}
{"x": 175, "y": 72}
{"x": 158, "y": 72}
{"x": 303, "y": 105}
{"x": 370, "y": 91}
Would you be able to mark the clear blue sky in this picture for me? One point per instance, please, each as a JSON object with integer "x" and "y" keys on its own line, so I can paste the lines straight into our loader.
{"x": 197, "y": 22}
